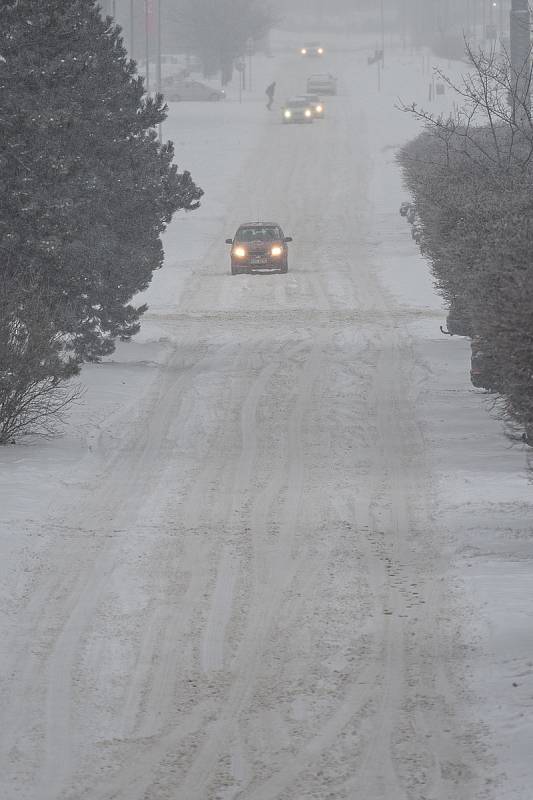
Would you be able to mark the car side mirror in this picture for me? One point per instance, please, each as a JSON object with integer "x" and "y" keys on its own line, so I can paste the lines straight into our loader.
{"x": 229, "y": 241}
{"x": 288, "y": 239}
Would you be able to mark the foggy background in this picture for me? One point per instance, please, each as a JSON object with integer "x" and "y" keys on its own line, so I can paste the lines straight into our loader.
{"x": 441, "y": 24}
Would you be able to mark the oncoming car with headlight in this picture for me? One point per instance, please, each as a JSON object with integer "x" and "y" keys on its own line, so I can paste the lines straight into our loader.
{"x": 296, "y": 110}
{"x": 312, "y": 49}
{"x": 316, "y": 105}
{"x": 259, "y": 246}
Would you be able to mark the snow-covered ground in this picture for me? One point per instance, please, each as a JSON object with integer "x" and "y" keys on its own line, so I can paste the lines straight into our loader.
{"x": 282, "y": 549}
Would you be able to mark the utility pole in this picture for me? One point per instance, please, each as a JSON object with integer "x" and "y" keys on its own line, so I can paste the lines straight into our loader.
{"x": 147, "y": 26}
{"x": 382, "y": 16}
{"x": 521, "y": 59}
{"x": 158, "y": 46}
{"x": 249, "y": 53}
{"x": 158, "y": 61}
{"x": 132, "y": 30}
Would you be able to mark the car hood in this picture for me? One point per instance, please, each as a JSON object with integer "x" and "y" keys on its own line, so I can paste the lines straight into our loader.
{"x": 261, "y": 244}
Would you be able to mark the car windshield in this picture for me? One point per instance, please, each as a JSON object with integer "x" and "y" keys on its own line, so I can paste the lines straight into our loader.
{"x": 297, "y": 103}
{"x": 258, "y": 233}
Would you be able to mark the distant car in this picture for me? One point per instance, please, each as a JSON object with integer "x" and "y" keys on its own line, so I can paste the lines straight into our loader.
{"x": 296, "y": 110}
{"x": 317, "y": 106}
{"x": 259, "y": 246}
{"x": 170, "y": 81}
{"x": 312, "y": 49}
{"x": 188, "y": 89}
{"x": 322, "y": 84}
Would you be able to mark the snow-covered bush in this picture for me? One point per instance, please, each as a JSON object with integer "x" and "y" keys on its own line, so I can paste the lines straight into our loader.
{"x": 34, "y": 367}
{"x": 471, "y": 179}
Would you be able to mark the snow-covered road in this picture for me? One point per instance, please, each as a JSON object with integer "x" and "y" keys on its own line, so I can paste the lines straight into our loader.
{"x": 243, "y": 578}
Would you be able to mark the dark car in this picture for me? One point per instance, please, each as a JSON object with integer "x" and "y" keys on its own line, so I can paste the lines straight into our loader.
{"x": 322, "y": 84}
{"x": 259, "y": 246}
{"x": 179, "y": 89}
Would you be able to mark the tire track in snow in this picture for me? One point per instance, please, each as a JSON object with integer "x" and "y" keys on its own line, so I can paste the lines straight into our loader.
{"x": 162, "y": 685}
{"x": 213, "y": 642}
{"x": 214, "y": 639}
{"x": 151, "y": 689}
{"x": 407, "y": 751}
{"x": 212, "y": 656}
{"x": 377, "y": 776}
{"x": 116, "y": 509}
{"x": 246, "y": 663}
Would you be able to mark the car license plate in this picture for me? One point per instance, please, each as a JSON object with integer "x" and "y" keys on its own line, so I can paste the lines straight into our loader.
{"x": 258, "y": 260}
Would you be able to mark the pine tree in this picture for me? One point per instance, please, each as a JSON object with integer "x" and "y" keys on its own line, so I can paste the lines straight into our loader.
{"x": 88, "y": 188}
{"x": 86, "y": 191}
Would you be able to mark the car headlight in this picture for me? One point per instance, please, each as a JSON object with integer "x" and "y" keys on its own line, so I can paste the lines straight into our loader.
{"x": 287, "y": 114}
{"x": 307, "y": 112}
{"x": 303, "y": 51}
{"x": 240, "y": 252}
{"x": 276, "y": 250}
{"x": 319, "y": 109}
{"x": 320, "y": 50}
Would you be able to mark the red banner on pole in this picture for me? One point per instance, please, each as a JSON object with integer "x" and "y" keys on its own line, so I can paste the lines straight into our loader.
{"x": 149, "y": 6}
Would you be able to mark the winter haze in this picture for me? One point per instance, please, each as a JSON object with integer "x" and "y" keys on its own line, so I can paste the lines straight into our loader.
{"x": 277, "y": 544}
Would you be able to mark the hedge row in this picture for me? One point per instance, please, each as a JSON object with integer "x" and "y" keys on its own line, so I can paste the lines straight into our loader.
{"x": 472, "y": 187}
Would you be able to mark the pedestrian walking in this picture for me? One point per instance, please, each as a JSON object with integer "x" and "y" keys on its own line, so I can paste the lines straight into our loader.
{"x": 269, "y": 91}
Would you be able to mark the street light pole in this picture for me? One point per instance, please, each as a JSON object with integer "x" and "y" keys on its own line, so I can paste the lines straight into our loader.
{"x": 249, "y": 53}
{"x": 132, "y": 30}
{"x": 158, "y": 46}
{"x": 521, "y": 59}
{"x": 158, "y": 62}
{"x": 147, "y": 41}
{"x": 382, "y": 15}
